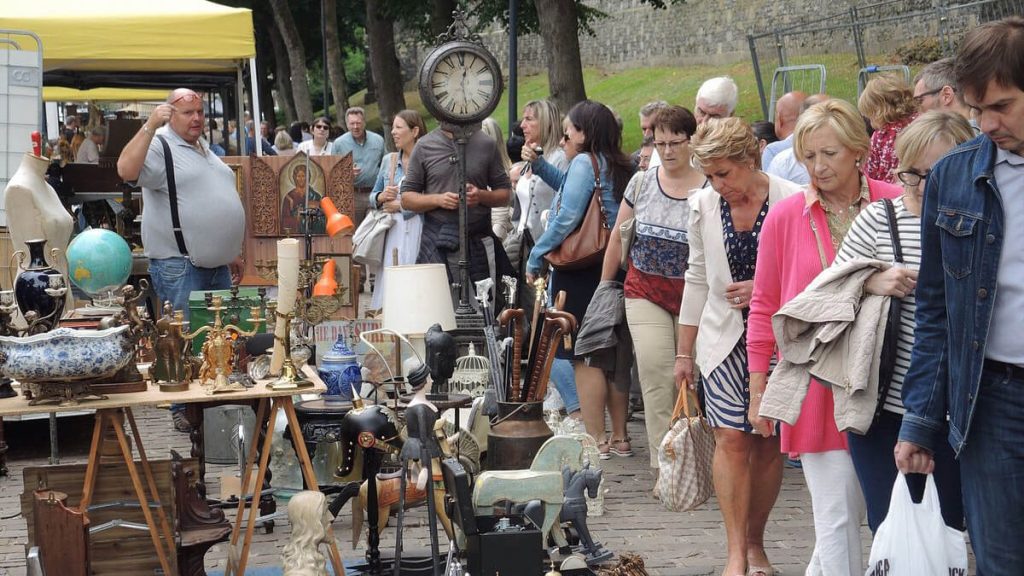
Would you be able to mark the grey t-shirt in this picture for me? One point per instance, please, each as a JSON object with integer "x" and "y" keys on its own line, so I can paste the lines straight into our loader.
{"x": 211, "y": 213}
{"x": 432, "y": 170}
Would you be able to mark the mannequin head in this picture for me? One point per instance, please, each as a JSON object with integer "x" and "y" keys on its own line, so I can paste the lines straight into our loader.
{"x": 310, "y": 521}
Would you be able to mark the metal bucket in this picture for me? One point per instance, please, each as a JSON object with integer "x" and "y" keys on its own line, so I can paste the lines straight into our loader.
{"x": 516, "y": 437}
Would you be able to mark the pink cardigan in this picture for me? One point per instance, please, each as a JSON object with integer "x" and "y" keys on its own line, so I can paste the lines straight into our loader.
{"x": 787, "y": 261}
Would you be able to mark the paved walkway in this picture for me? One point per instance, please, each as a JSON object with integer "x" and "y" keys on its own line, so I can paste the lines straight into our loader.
{"x": 672, "y": 544}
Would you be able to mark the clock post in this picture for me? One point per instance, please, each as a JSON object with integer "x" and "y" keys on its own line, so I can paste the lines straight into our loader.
{"x": 460, "y": 84}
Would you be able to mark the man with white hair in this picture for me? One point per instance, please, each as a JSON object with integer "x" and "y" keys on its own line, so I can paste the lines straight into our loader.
{"x": 716, "y": 98}
{"x": 89, "y": 151}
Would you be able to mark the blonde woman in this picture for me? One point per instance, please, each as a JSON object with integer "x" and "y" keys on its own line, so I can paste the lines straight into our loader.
{"x": 918, "y": 146}
{"x": 725, "y": 220}
{"x": 888, "y": 103}
{"x": 800, "y": 237}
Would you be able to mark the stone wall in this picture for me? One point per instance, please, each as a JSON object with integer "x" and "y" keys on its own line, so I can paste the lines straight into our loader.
{"x": 712, "y": 32}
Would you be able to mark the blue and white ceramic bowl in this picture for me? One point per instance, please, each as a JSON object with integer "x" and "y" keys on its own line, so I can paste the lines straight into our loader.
{"x": 66, "y": 354}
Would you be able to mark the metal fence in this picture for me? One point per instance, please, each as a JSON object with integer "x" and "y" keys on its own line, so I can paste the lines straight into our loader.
{"x": 869, "y": 34}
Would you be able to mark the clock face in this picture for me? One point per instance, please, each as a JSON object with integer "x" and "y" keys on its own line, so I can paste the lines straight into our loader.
{"x": 462, "y": 84}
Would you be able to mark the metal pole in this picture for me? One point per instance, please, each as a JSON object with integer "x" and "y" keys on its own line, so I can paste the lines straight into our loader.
{"x": 323, "y": 37}
{"x": 757, "y": 75}
{"x": 464, "y": 308}
{"x": 513, "y": 63}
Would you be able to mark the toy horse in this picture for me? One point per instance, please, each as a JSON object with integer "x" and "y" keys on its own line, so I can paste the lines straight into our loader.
{"x": 543, "y": 481}
{"x": 388, "y": 487}
{"x": 574, "y": 509}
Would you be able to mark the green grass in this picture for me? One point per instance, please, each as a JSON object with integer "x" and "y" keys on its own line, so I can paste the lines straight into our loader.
{"x": 628, "y": 90}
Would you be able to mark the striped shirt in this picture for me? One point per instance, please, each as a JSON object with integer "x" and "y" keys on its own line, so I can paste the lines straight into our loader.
{"x": 869, "y": 238}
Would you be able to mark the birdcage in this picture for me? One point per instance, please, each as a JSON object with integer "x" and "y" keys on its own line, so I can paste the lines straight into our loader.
{"x": 472, "y": 374}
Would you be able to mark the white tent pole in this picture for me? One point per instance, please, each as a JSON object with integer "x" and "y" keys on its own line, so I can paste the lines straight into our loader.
{"x": 253, "y": 80}
{"x": 239, "y": 112}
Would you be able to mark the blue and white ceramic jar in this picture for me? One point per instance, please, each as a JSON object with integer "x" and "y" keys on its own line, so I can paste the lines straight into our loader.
{"x": 340, "y": 371}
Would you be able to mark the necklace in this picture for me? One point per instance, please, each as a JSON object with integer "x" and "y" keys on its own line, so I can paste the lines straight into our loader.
{"x": 839, "y": 221}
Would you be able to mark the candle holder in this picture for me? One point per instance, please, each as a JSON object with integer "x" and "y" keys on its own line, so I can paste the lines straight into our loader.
{"x": 290, "y": 378}
{"x": 218, "y": 352}
{"x": 309, "y": 309}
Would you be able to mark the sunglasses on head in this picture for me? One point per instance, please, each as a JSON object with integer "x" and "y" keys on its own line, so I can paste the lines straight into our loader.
{"x": 187, "y": 97}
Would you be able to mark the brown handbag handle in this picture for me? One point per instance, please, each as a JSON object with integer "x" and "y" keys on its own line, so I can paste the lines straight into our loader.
{"x": 683, "y": 404}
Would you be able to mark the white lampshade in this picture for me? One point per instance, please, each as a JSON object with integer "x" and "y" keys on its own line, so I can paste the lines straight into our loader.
{"x": 416, "y": 297}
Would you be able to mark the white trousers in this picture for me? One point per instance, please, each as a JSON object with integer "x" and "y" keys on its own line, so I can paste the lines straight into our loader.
{"x": 838, "y": 506}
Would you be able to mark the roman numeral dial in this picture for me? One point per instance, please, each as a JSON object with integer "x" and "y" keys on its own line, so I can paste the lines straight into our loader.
{"x": 461, "y": 83}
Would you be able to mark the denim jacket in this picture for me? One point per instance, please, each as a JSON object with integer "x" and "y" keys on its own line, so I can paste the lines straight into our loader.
{"x": 575, "y": 187}
{"x": 961, "y": 239}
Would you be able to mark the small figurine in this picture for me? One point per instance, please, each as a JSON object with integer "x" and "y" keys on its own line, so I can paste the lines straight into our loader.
{"x": 441, "y": 356}
{"x": 574, "y": 509}
{"x": 420, "y": 445}
{"x": 171, "y": 369}
{"x": 217, "y": 350}
{"x": 311, "y": 526}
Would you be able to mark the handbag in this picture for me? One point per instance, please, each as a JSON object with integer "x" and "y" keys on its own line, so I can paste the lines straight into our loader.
{"x": 887, "y": 362}
{"x": 369, "y": 238}
{"x": 584, "y": 247}
{"x": 684, "y": 458}
{"x": 627, "y": 230}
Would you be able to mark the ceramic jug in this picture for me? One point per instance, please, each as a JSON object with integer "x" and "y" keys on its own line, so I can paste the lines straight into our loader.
{"x": 340, "y": 371}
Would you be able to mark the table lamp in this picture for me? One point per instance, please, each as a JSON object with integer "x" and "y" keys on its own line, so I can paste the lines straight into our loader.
{"x": 415, "y": 298}
{"x": 337, "y": 223}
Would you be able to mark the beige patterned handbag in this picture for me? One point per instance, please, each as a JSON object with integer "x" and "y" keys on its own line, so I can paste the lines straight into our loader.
{"x": 684, "y": 457}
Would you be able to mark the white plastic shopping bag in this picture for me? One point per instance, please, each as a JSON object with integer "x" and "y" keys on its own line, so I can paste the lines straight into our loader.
{"x": 914, "y": 541}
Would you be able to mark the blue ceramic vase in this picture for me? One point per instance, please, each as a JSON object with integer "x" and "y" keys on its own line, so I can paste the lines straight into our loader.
{"x": 31, "y": 284}
{"x": 340, "y": 371}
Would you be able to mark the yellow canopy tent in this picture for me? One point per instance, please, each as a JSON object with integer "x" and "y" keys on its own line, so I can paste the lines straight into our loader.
{"x": 61, "y": 94}
{"x": 134, "y": 35}
{"x": 156, "y": 45}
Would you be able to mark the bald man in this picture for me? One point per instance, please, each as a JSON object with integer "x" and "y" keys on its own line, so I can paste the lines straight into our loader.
{"x": 787, "y": 110}
{"x": 200, "y": 251}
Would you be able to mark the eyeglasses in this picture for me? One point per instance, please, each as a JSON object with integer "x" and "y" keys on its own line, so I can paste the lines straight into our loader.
{"x": 321, "y": 127}
{"x": 670, "y": 145}
{"x": 187, "y": 97}
{"x": 912, "y": 177}
{"x": 920, "y": 97}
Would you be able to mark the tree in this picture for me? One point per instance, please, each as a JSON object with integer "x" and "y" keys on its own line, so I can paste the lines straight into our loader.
{"x": 296, "y": 58}
{"x": 335, "y": 63}
{"x": 558, "y": 23}
{"x": 282, "y": 72}
{"x": 441, "y": 16}
{"x": 387, "y": 72}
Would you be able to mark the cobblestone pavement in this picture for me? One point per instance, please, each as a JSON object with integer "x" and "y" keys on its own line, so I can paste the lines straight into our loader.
{"x": 672, "y": 544}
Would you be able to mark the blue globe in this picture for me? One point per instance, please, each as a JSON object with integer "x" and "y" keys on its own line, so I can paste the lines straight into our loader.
{"x": 98, "y": 261}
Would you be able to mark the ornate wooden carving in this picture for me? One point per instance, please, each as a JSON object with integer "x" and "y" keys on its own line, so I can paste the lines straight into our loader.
{"x": 264, "y": 204}
{"x": 342, "y": 178}
{"x": 199, "y": 526}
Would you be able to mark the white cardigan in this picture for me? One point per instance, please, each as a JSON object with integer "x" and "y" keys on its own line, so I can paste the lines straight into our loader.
{"x": 704, "y": 305}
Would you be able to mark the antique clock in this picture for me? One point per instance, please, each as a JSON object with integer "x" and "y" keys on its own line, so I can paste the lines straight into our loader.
{"x": 460, "y": 81}
{"x": 460, "y": 84}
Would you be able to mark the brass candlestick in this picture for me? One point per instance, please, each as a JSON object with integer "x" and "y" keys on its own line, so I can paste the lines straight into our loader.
{"x": 218, "y": 352}
{"x": 309, "y": 309}
{"x": 290, "y": 378}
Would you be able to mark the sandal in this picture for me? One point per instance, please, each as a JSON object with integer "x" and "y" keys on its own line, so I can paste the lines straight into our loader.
{"x": 621, "y": 447}
{"x": 604, "y": 451}
{"x": 760, "y": 571}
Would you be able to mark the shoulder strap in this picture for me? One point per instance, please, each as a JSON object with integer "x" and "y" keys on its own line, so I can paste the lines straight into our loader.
{"x": 172, "y": 193}
{"x": 395, "y": 157}
{"x": 598, "y": 193}
{"x": 894, "y": 230}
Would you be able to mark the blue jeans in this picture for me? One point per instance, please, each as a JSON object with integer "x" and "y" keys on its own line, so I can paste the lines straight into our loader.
{"x": 175, "y": 278}
{"x": 993, "y": 472}
{"x": 873, "y": 460}
{"x": 564, "y": 378}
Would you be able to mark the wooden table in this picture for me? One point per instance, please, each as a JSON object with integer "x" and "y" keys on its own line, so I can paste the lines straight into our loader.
{"x": 112, "y": 413}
